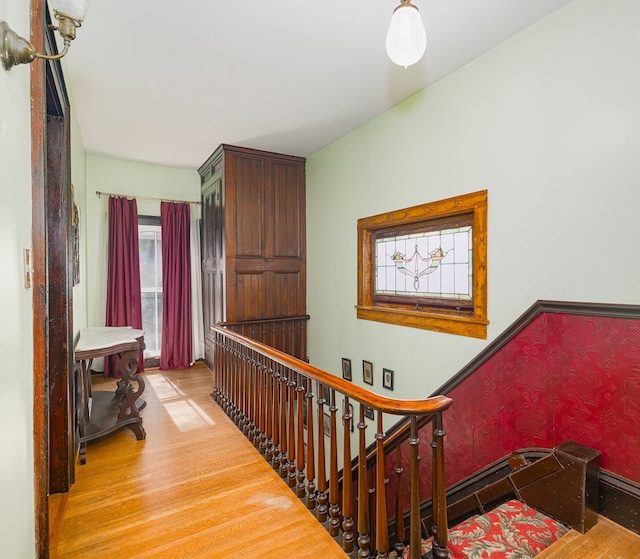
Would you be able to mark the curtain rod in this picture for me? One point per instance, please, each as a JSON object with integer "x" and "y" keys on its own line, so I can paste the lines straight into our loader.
{"x": 98, "y": 194}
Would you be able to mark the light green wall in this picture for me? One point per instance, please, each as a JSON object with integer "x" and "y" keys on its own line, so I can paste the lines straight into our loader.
{"x": 78, "y": 179}
{"x": 128, "y": 178}
{"x": 16, "y": 330}
{"x": 549, "y": 123}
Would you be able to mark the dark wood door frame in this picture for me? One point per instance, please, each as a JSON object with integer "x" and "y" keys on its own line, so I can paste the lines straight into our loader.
{"x": 52, "y": 292}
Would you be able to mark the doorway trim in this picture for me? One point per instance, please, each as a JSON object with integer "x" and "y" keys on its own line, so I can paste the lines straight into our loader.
{"x": 52, "y": 291}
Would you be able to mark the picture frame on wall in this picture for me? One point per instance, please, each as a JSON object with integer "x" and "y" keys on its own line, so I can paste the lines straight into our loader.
{"x": 350, "y": 411}
{"x": 387, "y": 379}
{"x": 326, "y": 421}
{"x": 326, "y": 395}
{"x": 368, "y": 412}
{"x": 367, "y": 372}
{"x": 304, "y": 414}
{"x": 346, "y": 368}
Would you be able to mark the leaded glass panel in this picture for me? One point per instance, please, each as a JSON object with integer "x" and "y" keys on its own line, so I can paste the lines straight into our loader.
{"x": 435, "y": 264}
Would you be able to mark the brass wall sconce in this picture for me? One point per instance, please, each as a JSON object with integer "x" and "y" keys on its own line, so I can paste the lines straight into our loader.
{"x": 17, "y": 50}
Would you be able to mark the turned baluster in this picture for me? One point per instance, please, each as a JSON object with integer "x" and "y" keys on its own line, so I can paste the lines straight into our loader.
{"x": 269, "y": 411}
{"x": 224, "y": 363}
{"x": 216, "y": 365}
{"x": 259, "y": 426}
{"x": 291, "y": 475}
{"x": 300, "y": 485}
{"x": 225, "y": 381}
{"x": 244, "y": 396}
{"x": 284, "y": 461}
{"x": 399, "y": 521}
{"x": 322, "y": 497}
{"x": 311, "y": 449}
{"x": 232, "y": 374}
{"x": 224, "y": 367}
{"x": 228, "y": 408}
{"x": 262, "y": 431}
{"x": 371, "y": 502}
{"x": 334, "y": 488}
{"x": 253, "y": 383}
{"x": 265, "y": 403}
{"x": 382, "y": 534}
{"x": 239, "y": 385}
{"x": 439, "y": 504}
{"x": 364, "y": 540}
{"x": 347, "y": 482}
{"x": 275, "y": 448}
{"x": 414, "y": 474}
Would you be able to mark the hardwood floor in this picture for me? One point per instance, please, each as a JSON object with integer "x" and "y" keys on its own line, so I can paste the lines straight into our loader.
{"x": 194, "y": 488}
{"x": 606, "y": 540}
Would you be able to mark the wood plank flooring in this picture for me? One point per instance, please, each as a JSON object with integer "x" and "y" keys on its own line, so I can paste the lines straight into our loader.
{"x": 194, "y": 488}
{"x": 197, "y": 488}
{"x": 606, "y": 540}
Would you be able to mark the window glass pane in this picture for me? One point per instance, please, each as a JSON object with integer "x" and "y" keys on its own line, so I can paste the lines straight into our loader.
{"x": 150, "y": 241}
{"x": 147, "y": 242}
{"x": 159, "y": 321}
{"x": 149, "y": 314}
{"x": 159, "y": 260}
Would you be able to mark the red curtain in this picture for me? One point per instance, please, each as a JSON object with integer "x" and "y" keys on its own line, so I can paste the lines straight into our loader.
{"x": 124, "y": 300}
{"x": 176, "y": 348}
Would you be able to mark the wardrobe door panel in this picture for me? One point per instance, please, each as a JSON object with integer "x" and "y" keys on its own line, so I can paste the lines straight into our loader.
{"x": 248, "y": 208}
{"x": 288, "y": 214}
{"x": 287, "y": 293}
{"x": 249, "y": 297}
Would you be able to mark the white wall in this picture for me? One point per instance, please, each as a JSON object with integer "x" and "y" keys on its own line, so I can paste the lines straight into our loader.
{"x": 549, "y": 123}
{"x": 16, "y": 330}
{"x": 127, "y": 178}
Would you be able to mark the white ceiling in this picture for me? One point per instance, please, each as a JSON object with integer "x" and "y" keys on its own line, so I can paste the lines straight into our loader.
{"x": 164, "y": 82}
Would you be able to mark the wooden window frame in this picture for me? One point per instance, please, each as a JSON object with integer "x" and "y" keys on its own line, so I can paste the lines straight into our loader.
{"x": 468, "y": 322}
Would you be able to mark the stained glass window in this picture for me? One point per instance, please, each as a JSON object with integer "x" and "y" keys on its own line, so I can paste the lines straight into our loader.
{"x": 428, "y": 264}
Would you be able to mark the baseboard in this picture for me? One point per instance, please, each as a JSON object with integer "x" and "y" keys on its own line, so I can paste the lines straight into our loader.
{"x": 620, "y": 500}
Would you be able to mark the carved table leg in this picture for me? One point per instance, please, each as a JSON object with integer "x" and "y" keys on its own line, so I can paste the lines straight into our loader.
{"x": 138, "y": 430}
{"x": 129, "y": 406}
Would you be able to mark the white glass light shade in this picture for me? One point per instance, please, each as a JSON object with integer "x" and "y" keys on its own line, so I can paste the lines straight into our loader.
{"x": 75, "y": 9}
{"x": 406, "y": 38}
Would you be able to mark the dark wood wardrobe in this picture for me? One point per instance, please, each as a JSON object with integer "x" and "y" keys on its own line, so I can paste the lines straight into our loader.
{"x": 254, "y": 247}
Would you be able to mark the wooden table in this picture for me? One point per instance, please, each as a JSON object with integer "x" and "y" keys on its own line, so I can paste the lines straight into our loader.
{"x": 101, "y": 413}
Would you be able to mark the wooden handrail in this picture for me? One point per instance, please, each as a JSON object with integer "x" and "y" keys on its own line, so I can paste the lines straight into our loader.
{"x": 263, "y": 321}
{"x": 392, "y": 406}
{"x": 272, "y": 397}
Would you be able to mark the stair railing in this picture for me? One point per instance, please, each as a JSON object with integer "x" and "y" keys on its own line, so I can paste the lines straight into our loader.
{"x": 270, "y": 397}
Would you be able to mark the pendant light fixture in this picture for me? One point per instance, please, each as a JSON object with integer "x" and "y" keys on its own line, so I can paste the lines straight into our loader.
{"x": 406, "y": 38}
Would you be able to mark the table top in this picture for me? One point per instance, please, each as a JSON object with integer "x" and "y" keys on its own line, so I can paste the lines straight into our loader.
{"x": 99, "y": 341}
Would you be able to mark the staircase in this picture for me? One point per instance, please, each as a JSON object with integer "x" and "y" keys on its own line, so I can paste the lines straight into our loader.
{"x": 284, "y": 406}
{"x": 604, "y": 541}
{"x": 512, "y": 530}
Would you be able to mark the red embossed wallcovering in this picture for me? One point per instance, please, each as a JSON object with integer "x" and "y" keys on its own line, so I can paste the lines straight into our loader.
{"x": 563, "y": 377}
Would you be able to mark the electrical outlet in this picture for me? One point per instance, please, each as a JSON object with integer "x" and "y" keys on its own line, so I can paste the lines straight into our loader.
{"x": 28, "y": 269}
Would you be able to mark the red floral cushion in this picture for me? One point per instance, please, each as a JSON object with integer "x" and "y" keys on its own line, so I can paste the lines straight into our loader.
{"x": 511, "y": 531}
